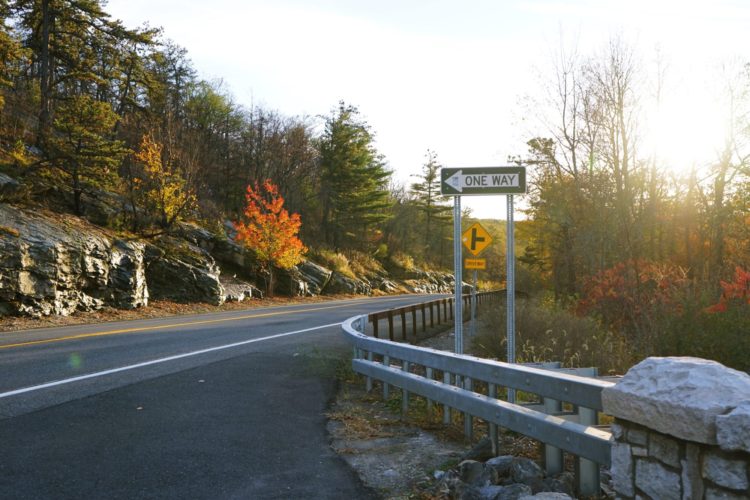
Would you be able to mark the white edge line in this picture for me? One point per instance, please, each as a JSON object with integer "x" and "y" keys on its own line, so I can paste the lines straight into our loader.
{"x": 156, "y": 361}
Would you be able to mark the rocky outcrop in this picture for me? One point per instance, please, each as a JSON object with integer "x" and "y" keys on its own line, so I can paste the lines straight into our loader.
{"x": 418, "y": 281}
{"x": 179, "y": 271}
{"x": 58, "y": 265}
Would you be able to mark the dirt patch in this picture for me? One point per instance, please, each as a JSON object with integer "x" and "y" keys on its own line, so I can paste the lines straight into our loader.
{"x": 394, "y": 457}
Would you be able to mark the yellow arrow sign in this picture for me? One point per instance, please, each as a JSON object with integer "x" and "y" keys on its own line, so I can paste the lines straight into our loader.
{"x": 476, "y": 239}
{"x": 475, "y": 263}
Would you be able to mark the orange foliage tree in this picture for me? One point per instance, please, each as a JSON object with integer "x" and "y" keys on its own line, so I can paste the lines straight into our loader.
{"x": 269, "y": 230}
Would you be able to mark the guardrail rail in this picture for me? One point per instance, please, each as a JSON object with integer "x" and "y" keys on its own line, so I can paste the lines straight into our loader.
{"x": 453, "y": 381}
{"x": 440, "y": 311}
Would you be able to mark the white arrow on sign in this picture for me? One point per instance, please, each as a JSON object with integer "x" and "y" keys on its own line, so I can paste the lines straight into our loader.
{"x": 454, "y": 181}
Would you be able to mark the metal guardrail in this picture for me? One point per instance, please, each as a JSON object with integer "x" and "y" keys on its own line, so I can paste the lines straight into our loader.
{"x": 440, "y": 311}
{"x": 395, "y": 364}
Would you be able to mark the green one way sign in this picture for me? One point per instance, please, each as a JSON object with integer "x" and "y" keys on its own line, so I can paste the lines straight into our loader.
{"x": 482, "y": 181}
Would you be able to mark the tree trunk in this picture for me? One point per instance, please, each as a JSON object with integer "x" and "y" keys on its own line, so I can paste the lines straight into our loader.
{"x": 269, "y": 290}
{"x": 45, "y": 74}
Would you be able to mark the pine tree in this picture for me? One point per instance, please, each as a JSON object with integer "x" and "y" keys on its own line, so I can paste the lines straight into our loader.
{"x": 354, "y": 179}
{"x": 81, "y": 147}
{"x": 432, "y": 206}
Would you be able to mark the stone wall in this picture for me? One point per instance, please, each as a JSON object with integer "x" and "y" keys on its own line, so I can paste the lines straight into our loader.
{"x": 681, "y": 431}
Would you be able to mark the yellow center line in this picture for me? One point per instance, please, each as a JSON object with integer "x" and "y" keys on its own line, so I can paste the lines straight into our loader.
{"x": 163, "y": 327}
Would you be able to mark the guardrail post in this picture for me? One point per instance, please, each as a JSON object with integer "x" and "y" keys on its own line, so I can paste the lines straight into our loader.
{"x": 403, "y": 324}
{"x": 414, "y": 321}
{"x": 588, "y": 471}
{"x": 424, "y": 320}
{"x": 386, "y": 387}
{"x": 553, "y": 456}
{"x": 429, "y": 376}
{"x": 390, "y": 325}
{"x": 404, "y": 392}
{"x": 492, "y": 393}
{"x": 446, "y": 408}
{"x": 468, "y": 419}
{"x": 368, "y": 382}
{"x": 374, "y": 320}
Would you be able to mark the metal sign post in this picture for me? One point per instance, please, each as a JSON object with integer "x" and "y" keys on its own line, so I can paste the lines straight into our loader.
{"x": 479, "y": 181}
{"x": 510, "y": 288}
{"x": 458, "y": 265}
{"x": 473, "y": 328}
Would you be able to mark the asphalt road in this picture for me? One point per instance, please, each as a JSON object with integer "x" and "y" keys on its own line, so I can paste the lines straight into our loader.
{"x": 226, "y": 405}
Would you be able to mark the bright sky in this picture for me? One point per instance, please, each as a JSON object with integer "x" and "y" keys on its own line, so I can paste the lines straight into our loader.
{"x": 441, "y": 74}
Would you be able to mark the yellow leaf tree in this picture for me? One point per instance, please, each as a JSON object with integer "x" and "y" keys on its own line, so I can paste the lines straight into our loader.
{"x": 269, "y": 230}
{"x": 163, "y": 188}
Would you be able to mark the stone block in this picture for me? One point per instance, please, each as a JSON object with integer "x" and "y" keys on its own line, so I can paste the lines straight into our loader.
{"x": 713, "y": 493}
{"x": 677, "y": 396}
{"x": 664, "y": 449}
{"x": 622, "y": 469}
{"x": 639, "y": 451}
{"x": 692, "y": 482}
{"x": 656, "y": 481}
{"x": 638, "y": 437}
{"x": 617, "y": 431}
{"x": 733, "y": 429}
{"x": 725, "y": 472}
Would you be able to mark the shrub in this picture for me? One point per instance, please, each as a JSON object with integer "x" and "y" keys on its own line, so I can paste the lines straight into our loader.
{"x": 364, "y": 265}
{"x": 634, "y": 298}
{"x": 332, "y": 260}
{"x": 546, "y": 332}
{"x": 720, "y": 332}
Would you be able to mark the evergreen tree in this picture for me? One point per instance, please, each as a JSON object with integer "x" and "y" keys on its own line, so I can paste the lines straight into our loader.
{"x": 81, "y": 148}
{"x": 354, "y": 179}
{"x": 433, "y": 207}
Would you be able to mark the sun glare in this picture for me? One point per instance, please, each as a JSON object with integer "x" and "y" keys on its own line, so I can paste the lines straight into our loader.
{"x": 685, "y": 133}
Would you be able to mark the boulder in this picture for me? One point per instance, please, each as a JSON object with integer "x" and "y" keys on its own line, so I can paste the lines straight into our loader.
{"x": 182, "y": 272}
{"x": 678, "y": 396}
{"x": 315, "y": 276}
{"x": 9, "y": 187}
{"x": 338, "y": 283}
{"x": 289, "y": 282}
{"x": 236, "y": 290}
{"x": 384, "y": 285}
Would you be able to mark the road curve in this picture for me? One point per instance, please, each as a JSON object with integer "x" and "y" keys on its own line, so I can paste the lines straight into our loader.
{"x": 224, "y": 405}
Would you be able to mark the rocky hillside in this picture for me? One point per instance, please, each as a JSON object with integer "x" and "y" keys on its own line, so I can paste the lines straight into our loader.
{"x": 57, "y": 264}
